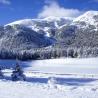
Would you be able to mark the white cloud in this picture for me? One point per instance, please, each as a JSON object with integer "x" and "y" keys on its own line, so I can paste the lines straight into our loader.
{"x": 5, "y": 2}
{"x": 54, "y": 9}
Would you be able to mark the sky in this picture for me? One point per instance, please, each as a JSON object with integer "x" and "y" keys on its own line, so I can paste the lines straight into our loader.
{"x": 13, "y": 10}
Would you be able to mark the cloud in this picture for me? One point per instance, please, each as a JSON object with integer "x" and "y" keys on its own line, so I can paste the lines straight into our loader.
{"x": 54, "y": 9}
{"x": 5, "y": 2}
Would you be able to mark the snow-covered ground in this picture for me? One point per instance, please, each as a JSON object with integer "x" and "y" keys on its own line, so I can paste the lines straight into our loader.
{"x": 55, "y": 78}
{"x": 68, "y": 65}
{"x": 20, "y": 89}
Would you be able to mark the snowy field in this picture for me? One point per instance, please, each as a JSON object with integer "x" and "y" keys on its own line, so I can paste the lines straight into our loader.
{"x": 56, "y": 78}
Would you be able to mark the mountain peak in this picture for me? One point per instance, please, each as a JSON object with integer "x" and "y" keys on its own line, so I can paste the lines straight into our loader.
{"x": 89, "y": 18}
{"x": 87, "y": 15}
{"x": 92, "y": 12}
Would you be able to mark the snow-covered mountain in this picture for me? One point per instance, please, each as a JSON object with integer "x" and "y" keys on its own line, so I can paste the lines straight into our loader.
{"x": 88, "y": 18}
{"x": 51, "y": 31}
{"x": 43, "y": 25}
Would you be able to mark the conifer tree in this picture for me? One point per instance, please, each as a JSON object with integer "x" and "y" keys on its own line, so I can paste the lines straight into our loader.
{"x": 18, "y": 74}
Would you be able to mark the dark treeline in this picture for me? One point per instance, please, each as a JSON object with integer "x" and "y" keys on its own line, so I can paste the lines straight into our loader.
{"x": 49, "y": 53}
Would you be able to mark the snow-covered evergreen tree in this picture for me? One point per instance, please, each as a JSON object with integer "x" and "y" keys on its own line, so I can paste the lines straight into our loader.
{"x": 18, "y": 73}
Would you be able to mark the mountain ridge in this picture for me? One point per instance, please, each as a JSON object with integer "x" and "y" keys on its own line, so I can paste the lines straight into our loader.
{"x": 63, "y": 33}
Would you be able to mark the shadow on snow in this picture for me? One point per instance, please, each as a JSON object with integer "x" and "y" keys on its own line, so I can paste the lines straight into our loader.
{"x": 61, "y": 81}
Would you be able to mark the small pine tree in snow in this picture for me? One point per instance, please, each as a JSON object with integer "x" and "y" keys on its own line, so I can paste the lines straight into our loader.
{"x": 17, "y": 74}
